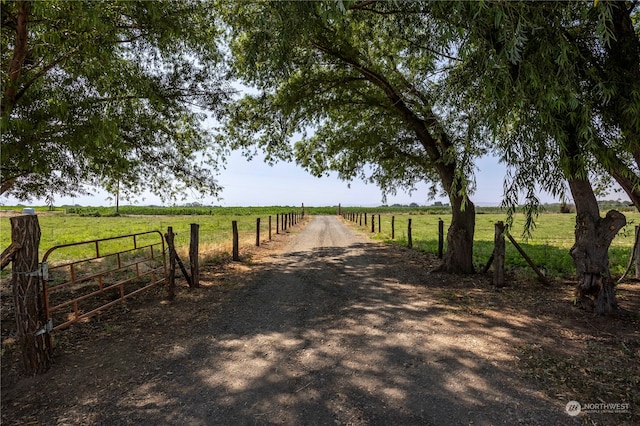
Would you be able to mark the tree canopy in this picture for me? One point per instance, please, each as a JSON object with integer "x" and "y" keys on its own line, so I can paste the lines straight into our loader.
{"x": 361, "y": 86}
{"x": 366, "y": 86}
{"x": 559, "y": 84}
{"x": 559, "y": 88}
{"x": 111, "y": 94}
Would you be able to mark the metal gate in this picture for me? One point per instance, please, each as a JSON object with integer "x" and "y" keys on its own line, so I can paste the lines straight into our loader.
{"x": 106, "y": 275}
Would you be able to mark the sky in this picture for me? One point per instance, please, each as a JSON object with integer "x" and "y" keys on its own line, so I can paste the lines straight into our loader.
{"x": 258, "y": 184}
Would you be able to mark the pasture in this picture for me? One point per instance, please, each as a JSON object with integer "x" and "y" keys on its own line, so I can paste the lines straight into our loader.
{"x": 60, "y": 227}
{"x": 548, "y": 245}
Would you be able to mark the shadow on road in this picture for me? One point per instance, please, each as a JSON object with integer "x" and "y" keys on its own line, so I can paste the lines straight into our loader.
{"x": 340, "y": 335}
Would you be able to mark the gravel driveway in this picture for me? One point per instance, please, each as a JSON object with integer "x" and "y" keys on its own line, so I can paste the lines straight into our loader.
{"x": 334, "y": 329}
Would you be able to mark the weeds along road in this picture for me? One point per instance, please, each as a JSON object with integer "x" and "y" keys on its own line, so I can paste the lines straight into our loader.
{"x": 333, "y": 330}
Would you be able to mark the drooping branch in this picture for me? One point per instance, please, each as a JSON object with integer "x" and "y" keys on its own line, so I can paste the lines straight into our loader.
{"x": 435, "y": 146}
{"x": 626, "y": 178}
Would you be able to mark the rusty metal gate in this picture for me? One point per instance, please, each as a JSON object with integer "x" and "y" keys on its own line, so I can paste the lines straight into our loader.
{"x": 106, "y": 275}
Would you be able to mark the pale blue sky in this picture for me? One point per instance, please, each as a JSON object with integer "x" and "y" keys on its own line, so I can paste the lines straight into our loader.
{"x": 258, "y": 184}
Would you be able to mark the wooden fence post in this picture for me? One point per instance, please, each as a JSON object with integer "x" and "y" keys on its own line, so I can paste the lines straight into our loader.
{"x": 193, "y": 255}
{"x": 235, "y": 251}
{"x": 269, "y": 228}
{"x": 258, "y": 232}
{"x": 360, "y": 217}
{"x": 637, "y": 245}
{"x": 440, "y": 237}
{"x": 171, "y": 279}
{"x": 33, "y": 328}
{"x": 277, "y": 223}
{"x": 528, "y": 259}
{"x": 409, "y": 239}
{"x": 365, "y": 218}
{"x": 373, "y": 223}
{"x": 635, "y": 255}
{"x": 498, "y": 255}
{"x": 339, "y": 210}
{"x": 393, "y": 227}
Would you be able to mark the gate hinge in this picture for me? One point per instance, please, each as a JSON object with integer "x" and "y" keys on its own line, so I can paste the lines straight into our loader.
{"x": 48, "y": 328}
{"x": 42, "y": 271}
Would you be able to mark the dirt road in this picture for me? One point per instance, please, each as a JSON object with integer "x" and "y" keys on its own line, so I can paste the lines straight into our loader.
{"x": 335, "y": 329}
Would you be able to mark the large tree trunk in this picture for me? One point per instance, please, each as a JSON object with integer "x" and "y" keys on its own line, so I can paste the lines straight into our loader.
{"x": 593, "y": 236}
{"x": 16, "y": 65}
{"x": 459, "y": 255}
{"x": 33, "y": 335}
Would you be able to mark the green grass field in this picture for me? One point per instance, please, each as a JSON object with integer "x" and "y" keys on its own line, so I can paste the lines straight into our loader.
{"x": 548, "y": 247}
{"x": 59, "y": 228}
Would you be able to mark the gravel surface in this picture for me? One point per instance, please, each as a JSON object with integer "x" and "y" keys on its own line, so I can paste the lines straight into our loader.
{"x": 331, "y": 329}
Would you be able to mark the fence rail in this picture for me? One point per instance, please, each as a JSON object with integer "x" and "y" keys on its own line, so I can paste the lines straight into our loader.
{"x": 75, "y": 290}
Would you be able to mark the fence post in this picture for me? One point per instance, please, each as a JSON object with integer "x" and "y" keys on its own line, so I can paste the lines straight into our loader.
{"x": 258, "y": 232}
{"x": 393, "y": 227}
{"x": 235, "y": 252}
{"x": 498, "y": 258}
{"x": 269, "y": 228}
{"x": 528, "y": 259}
{"x": 339, "y": 210}
{"x": 303, "y": 210}
{"x": 193, "y": 255}
{"x": 637, "y": 246}
{"x": 277, "y": 223}
{"x": 409, "y": 239}
{"x": 32, "y": 327}
{"x": 373, "y": 223}
{"x": 360, "y": 217}
{"x": 379, "y": 223}
{"x": 440, "y": 237}
{"x": 171, "y": 279}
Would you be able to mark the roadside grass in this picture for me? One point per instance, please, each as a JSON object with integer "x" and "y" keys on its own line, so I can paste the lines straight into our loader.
{"x": 548, "y": 246}
{"x": 215, "y": 232}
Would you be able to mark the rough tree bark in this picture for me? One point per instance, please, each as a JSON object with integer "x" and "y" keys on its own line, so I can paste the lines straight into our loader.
{"x": 593, "y": 236}
{"x": 35, "y": 344}
{"x": 458, "y": 257}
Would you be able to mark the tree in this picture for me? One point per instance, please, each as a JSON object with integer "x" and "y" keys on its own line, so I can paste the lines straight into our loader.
{"x": 367, "y": 90}
{"x": 558, "y": 84}
{"x": 108, "y": 94}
